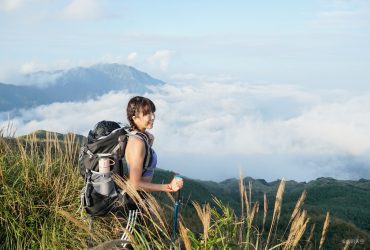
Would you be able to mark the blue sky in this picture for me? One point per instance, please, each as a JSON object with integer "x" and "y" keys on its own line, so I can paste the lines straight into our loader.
{"x": 318, "y": 44}
{"x": 277, "y": 88}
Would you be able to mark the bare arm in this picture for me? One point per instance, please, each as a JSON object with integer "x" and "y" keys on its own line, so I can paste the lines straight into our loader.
{"x": 135, "y": 153}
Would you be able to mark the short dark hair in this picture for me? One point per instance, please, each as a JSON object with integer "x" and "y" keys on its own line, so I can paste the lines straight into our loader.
{"x": 136, "y": 105}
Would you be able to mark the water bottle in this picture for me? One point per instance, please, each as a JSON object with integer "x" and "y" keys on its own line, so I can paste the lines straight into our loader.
{"x": 104, "y": 163}
{"x": 105, "y": 179}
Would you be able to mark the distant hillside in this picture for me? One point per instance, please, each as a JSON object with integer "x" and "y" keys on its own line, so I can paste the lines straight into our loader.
{"x": 347, "y": 201}
{"x": 41, "y": 135}
{"x": 76, "y": 84}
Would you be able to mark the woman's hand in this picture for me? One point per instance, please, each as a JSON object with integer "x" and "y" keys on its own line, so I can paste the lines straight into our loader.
{"x": 176, "y": 184}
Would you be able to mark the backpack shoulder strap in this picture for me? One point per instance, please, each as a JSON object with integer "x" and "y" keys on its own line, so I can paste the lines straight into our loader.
{"x": 119, "y": 149}
{"x": 145, "y": 139}
{"x": 85, "y": 149}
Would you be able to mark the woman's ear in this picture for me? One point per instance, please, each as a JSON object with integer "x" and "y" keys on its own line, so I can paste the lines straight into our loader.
{"x": 134, "y": 118}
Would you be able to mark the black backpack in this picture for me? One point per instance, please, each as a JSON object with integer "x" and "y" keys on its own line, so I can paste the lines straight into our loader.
{"x": 100, "y": 194}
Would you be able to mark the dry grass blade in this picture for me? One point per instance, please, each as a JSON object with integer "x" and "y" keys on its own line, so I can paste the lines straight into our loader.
{"x": 277, "y": 210}
{"x": 131, "y": 191}
{"x": 295, "y": 227}
{"x": 47, "y": 154}
{"x": 265, "y": 207}
{"x": 346, "y": 246}
{"x": 297, "y": 209}
{"x": 298, "y": 227}
{"x": 23, "y": 154}
{"x": 300, "y": 233}
{"x": 247, "y": 204}
{"x": 185, "y": 237}
{"x": 75, "y": 221}
{"x": 241, "y": 190}
{"x": 9, "y": 130}
{"x": 112, "y": 244}
{"x": 298, "y": 205}
{"x": 324, "y": 230}
{"x": 204, "y": 215}
{"x": 156, "y": 216}
{"x": 250, "y": 192}
{"x": 253, "y": 213}
{"x": 150, "y": 206}
{"x": 310, "y": 238}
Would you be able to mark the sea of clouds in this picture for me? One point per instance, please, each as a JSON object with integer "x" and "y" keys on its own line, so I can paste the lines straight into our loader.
{"x": 212, "y": 130}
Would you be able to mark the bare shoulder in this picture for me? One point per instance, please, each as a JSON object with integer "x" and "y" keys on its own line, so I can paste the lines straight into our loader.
{"x": 135, "y": 150}
{"x": 135, "y": 142}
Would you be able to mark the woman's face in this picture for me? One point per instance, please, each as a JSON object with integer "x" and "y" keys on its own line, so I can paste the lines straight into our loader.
{"x": 144, "y": 122}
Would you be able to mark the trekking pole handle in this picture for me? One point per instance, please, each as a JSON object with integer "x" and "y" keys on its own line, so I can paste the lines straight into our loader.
{"x": 178, "y": 176}
{"x": 178, "y": 196}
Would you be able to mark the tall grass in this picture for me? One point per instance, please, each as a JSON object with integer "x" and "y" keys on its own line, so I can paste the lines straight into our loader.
{"x": 39, "y": 186}
{"x": 40, "y": 197}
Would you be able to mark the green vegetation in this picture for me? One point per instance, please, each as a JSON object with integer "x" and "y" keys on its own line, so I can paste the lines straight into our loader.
{"x": 39, "y": 208}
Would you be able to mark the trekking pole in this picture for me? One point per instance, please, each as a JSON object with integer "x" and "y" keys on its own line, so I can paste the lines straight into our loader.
{"x": 176, "y": 211}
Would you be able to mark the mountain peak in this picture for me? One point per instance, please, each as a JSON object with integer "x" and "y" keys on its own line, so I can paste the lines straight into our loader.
{"x": 75, "y": 84}
{"x": 124, "y": 72}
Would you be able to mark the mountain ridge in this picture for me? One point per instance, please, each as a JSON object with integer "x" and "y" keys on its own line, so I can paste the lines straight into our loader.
{"x": 75, "y": 84}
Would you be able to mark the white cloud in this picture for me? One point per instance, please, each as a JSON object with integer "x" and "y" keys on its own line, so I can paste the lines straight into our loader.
{"x": 336, "y": 19}
{"x": 24, "y": 74}
{"x": 83, "y": 9}
{"x": 132, "y": 60}
{"x": 340, "y": 15}
{"x": 132, "y": 57}
{"x": 242, "y": 118}
{"x": 191, "y": 77}
{"x": 5, "y": 74}
{"x": 31, "y": 67}
{"x": 62, "y": 64}
{"x": 35, "y": 73}
{"x": 11, "y": 5}
{"x": 337, "y": 127}
{"x": 161, "y": 59}
{"x": 246, "y": 119}
{"x": 223, "y": 119}
{"x": 66, "y": 117}
{"x": 65, "y": 64}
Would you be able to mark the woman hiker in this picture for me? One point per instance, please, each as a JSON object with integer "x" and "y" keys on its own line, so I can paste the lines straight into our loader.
{"x": 140, "y": 157}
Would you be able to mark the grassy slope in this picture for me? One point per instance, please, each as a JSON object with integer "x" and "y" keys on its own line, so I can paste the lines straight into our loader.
{"x": 347, "y": 201}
